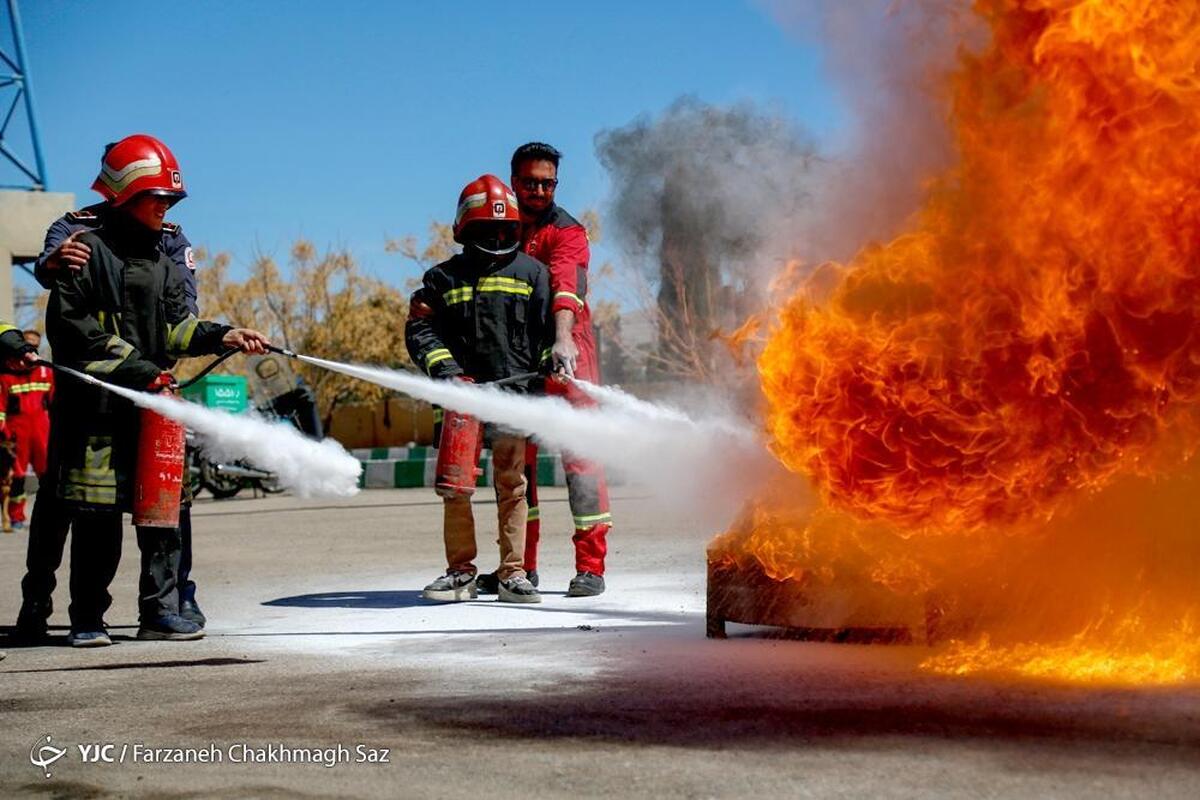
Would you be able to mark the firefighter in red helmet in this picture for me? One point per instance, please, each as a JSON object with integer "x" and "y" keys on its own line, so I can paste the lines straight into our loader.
{"x": 64, "y": 251}
{"x": 554, "y": 237}
{"x": 481, "y": 316}
{"x": 124, "y": 318}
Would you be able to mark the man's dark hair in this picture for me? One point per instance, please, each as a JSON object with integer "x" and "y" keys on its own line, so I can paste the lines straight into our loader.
{"x": 534, "y": 151}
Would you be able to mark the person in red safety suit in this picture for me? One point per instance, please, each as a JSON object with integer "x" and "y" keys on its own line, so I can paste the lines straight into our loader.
{"x": 558, "y": 240}
{"x": 25, "y": 412}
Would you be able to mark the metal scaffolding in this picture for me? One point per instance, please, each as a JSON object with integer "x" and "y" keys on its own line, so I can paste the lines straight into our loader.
{"x": 15, "y": 75}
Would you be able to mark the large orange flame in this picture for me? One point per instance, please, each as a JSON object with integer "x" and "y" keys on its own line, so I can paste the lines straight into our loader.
{"x": 1035, "y": 337}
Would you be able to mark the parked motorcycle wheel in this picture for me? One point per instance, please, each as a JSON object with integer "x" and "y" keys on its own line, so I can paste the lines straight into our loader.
{"x": 221, "y": 486}
{"x": 270, "y": 485}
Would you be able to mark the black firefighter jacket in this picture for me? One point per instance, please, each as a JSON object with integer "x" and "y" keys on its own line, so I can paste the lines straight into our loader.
{"x": 490, "y": 319}
{"x": 124, "y": 319}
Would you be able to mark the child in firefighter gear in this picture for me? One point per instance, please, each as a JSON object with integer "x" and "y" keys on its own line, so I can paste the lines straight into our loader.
{"x": 558, "y": 240}
{"x": 64, "y": 251}
{"x": 123, "y": 318}
{"x": 25, "y": 417}
{"x": 483, "y": 316}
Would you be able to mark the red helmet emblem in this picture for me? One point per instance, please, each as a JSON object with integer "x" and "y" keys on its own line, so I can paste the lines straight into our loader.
{"x": 486, "y": 198}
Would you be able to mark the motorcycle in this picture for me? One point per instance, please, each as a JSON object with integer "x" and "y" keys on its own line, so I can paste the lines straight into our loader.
{"x": 225, "y": 479}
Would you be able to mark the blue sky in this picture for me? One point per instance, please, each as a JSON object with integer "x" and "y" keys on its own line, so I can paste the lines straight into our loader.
{"x": 349, "y": 122}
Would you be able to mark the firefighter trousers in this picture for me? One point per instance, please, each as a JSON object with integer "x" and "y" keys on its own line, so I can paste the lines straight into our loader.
{"x": 30, "y": 433}
{"x": 587, "y": 490}
{"x": 508, "y": 475}
{"x": 44, "y": 552}
{"x": 95, "y": 554}
{"x": 48, "y": 530}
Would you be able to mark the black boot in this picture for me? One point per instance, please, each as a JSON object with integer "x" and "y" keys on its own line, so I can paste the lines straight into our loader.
{"x": 189, "y": 609}
{"x": 488, "y": 583}
{"x": 31, "y": 625}
{"x": 586, "y": 584}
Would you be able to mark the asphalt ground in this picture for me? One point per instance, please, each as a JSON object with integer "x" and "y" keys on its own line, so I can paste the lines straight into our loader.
{"x": 318, "y": 640}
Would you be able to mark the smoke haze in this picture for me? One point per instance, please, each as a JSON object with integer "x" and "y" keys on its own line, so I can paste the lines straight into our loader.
{"x": 307, "y": 467}
{"x": 705, "y": 468}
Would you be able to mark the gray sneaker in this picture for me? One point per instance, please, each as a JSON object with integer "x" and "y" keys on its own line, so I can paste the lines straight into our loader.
{"x": 169, "y": 628}
{"x": 451, "y": 587}
{"x": 586, "y": 584}
{"x": 519, "y": 590}
{"x": 89, "y": 639}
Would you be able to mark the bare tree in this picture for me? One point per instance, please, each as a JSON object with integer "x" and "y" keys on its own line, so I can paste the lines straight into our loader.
{"x": 322, "y": 306}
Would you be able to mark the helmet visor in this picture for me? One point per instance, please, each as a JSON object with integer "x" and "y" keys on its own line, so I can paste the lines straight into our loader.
{"x": 496, "y": 238}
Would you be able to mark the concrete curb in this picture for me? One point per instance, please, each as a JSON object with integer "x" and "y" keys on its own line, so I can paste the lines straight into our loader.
{"x": 409, "y": 467}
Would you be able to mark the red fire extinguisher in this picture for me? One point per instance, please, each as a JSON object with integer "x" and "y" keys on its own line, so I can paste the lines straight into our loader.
{"x": 158, "y": 481}
{"x": 458, "y": 455}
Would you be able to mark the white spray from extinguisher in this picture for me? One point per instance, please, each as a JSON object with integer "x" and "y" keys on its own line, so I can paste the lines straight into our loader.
{"x": 307, "y": 467}
{"x": 705, "y": 466}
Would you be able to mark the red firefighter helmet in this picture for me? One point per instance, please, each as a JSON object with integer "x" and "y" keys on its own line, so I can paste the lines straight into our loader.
{"x": 137, "y": 164}
{"x": 485, "y": 199}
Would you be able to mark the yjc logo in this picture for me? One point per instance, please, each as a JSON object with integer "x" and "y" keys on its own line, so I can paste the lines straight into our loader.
{"x": 43, "y": 754}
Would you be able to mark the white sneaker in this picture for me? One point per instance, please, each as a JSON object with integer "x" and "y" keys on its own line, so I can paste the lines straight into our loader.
{"x": 519, "y": 590}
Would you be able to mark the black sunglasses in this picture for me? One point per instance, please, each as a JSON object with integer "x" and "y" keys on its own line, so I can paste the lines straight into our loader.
{"x": 531, "y": 184}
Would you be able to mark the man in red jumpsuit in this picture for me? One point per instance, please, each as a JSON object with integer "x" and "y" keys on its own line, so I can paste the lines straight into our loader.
{"x": 558, "y": 240}
{"x": 25, "y": 411}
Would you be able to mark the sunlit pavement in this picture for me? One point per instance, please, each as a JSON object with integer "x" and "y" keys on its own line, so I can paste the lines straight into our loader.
{"x": 318, "y": 639}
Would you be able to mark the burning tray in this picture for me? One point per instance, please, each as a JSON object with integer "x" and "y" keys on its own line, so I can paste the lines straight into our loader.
{"x": 846, "y": 611}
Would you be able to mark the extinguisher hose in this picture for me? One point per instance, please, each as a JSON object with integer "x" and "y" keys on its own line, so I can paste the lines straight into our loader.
{"x": 207, "y": 369}
{"x": 226, "y": 355}
{"x": 68, "y": 371}
{"x": 216, "y": 363}
{"x": 83, "y": 376}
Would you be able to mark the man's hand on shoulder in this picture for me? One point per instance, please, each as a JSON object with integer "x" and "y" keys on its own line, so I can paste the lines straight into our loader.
{"x": 71, "y": 254}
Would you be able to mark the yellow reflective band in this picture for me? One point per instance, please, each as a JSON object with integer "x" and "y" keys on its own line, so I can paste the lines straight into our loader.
{"x": 591, "y": 520}
{"x": 117, "y": 347}
{"x": 5, "y": 327}
{"x": 436, "y": 356}
{"x": 24, "y": 388}
{"x": 3, "y": 416}
{"x": 498, "y": 280}
{"x": 500, "y": 283}
{"x": 180, "y": 336}
{"x": 545, "y": 356}
{"x": 570, "y": 296}
{"x": 438, "y": 414}
{"x": 535, "y": 513}
{"x": 459, "y": 295}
